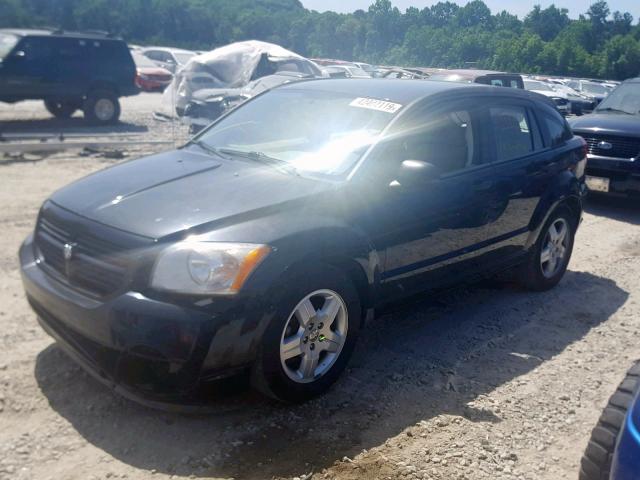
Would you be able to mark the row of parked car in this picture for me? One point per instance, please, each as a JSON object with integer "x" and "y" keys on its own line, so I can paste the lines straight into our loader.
{"x": 71, "y": 71}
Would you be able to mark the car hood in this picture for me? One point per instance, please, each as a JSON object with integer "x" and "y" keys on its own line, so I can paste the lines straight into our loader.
{"x": 154, "y": 71}
{"x": 174, "y": 191}
{"x": 613, "y": 123}
{"x": 546, "y": 93}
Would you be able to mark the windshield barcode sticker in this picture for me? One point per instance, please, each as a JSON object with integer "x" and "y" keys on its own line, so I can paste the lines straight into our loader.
{"x": 374, "y": 104}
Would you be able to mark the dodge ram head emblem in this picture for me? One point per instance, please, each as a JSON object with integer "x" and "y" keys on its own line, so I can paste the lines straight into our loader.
{"x": 605, "y": 146}
{"x": 67, "y": 251}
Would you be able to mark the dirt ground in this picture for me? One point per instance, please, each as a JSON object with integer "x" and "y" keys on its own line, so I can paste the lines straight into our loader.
{"x": 486, "y": 382}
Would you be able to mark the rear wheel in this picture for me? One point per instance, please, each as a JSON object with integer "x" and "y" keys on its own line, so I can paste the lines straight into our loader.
{"x": 61, "y": 108}
{"x": 311, "y": 337}
{"x": 550, "y": 257}
{"x": 597, "y": 458}
{"x": 101, "y": 107}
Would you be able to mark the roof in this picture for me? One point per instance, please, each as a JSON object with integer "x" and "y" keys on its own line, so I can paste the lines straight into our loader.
{"x": 169, "y": 49}
{"x": 24, "y": 32}
{"x": 476, "y": 73}
{"x": 403, "y": 91}
{"x": 400, "y": 91}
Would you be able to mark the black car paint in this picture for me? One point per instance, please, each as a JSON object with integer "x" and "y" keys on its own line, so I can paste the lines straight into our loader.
{"x": 98, "y": 62}
{"x": 622, "y": 169}
{"x": 355, "y": 223}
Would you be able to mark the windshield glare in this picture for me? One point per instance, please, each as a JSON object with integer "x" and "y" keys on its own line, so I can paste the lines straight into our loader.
{"x": 317, "y": 132}
{"x": 625, "y": 98}
{"x": 7, "y": 42}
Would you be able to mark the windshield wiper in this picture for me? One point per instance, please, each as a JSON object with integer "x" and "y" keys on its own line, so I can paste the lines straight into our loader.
{"x": 208, "y": 148}
{"x": 609, "y": 109}
{"x": 260, "y": 157}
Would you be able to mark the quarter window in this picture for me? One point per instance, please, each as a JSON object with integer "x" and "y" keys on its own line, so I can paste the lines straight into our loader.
{"x": 557, "y": 127}
{"x": 512, "y": 131}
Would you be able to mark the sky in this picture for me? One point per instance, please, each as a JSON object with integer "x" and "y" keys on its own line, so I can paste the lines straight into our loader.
{"x": 518, "y": 7}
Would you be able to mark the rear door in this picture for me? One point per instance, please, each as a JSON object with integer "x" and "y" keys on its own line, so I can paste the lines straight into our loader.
{"x": 524, "y": 163}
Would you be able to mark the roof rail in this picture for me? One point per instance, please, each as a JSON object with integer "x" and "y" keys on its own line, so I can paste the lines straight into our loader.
{"x": 101, "y": 33}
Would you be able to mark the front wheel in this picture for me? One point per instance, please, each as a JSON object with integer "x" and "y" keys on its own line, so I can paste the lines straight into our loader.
{"x": 550, "y": 257}
{"x": 311, "y": 337}
{"x": 101, "y": 107}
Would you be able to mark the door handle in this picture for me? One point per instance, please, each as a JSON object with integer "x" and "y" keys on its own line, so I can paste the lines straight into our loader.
{"x": 484, "y": 185}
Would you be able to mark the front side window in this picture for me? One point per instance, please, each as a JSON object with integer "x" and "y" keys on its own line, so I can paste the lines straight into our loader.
{"x": 512, "y": 131}
{"x": 446, "y": 140}
{"x": 313, "y": 131}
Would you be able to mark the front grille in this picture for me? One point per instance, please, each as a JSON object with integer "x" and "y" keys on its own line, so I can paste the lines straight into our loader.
{"x": 96, "y": 265}
{"x": 621, "y": 147}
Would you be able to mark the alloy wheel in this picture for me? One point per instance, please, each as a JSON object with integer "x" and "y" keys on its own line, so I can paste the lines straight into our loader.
{"x": 313, "y": 336}
{"x": 554, "y": 247}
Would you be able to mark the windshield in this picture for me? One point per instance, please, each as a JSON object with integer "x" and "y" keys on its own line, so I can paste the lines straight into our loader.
{"x": 595, "y": 88}
{"x": 318, "y": 132}
{"x": 357, "y": 72}
{"x": 183, "y": 57}
{"x": 625, "y": 98}
{"x": 7, "y": 42}
{"x": 540, "y": 86}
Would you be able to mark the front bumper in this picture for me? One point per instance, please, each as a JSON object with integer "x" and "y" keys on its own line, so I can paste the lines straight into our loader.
{"x": 623, "y": 174}
{"x": 155, "y": 351}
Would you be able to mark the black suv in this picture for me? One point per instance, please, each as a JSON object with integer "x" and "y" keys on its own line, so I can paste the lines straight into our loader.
{"x": 260, "y": 245}
{"x": 613, "y": 135}
{"x": 69, "y": 71}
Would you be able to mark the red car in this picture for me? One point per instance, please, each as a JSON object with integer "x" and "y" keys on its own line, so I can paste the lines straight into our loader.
{"x": 149, "y": 76}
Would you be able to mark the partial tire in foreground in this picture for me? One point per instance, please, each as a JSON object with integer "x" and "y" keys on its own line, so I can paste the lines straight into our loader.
{"x": 597, "y": 458}
{"x": 311, "y": 337}
{"x": 61, "y": 108}
{"x": 551, "y": 254}
{"x": 101, "y": 107}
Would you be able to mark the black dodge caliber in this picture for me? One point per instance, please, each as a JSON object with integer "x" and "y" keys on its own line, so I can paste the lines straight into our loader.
{"x": 263, "y": 244}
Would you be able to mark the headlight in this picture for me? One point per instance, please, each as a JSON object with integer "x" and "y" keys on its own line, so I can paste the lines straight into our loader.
{"x": 206, "y": 267}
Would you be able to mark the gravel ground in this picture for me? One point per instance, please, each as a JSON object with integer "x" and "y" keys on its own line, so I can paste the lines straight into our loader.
{"x": 486, "y": 382}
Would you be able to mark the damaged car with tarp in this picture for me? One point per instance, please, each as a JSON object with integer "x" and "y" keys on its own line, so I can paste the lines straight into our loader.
{"x": 211, "y": 84}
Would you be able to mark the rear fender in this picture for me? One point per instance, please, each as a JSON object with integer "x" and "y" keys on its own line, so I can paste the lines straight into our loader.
{"x": 564, "y": 190}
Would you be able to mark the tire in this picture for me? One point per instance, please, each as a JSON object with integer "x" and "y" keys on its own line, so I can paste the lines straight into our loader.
{"x": 101, "y": 107}
{"x": 536, "y": 276}
{"x": 61, "y": 108}
{"x": 282, "y": 378}
{"x": 597, "y": 458}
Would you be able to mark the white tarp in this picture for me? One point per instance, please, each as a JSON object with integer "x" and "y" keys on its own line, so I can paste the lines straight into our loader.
{"x": 229, "y": 67}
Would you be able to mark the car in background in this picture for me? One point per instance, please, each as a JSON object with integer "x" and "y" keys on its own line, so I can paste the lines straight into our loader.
{"x": 593, "y": 89}
{"x": 69, "y": 71}
{"x": 613, "y": 451}
{"x": 580, "y": 103}
{"x": 259, "y": 246}
{"x": 483, "y": 77}
{"x": 150, "y": 77}
{"x": 612, "y": 133}
{"x": 171, "y": 59}
{"x": 543, "y": 88}
{"x": 345, "y": 71}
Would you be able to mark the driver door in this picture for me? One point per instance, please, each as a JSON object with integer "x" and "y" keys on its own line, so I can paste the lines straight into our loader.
{"x": 434, "y": 233}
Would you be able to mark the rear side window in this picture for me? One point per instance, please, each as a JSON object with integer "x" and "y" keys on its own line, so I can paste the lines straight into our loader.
{"x": 513, "y": 131}
{"x": 557, "y": 127}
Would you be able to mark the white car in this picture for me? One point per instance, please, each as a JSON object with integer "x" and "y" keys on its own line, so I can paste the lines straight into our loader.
{"x": 170, "y": 58}
{"x": 562, "y": 101}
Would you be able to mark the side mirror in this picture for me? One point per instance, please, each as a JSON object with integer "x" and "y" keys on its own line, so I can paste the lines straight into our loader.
{"x": 416, "y": 173}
